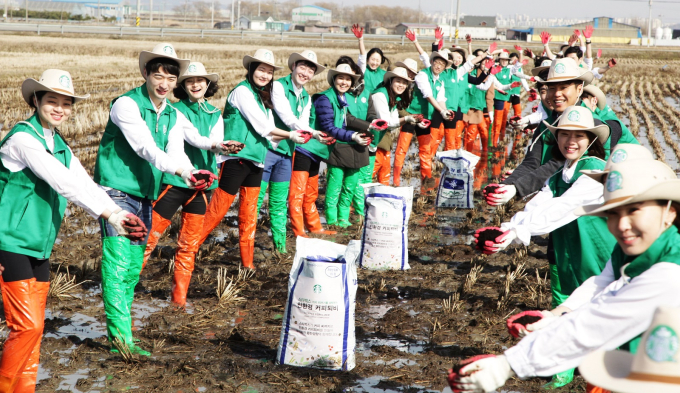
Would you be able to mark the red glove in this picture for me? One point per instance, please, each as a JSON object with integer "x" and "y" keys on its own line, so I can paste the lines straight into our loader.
{"x": 482, "y": 233}
{"x": 468, "y": 38}
{"x": 455, "y": 370}
{"x": 533, "y": 95}
{"x": 440, "y": 45}
{"x": 358, "y": 31}
{"x": 506, "y": 175}
{"x": 515, "y": 84}
{"x": 489, "y": 64}
{"x": 588, "y": 32}
{"x": 515, "y": 119}
{"x": 534, "y": 109}
{"x": 233, "y": 146}
{"x": 529, "y": 52}
{"x": 518, "y": 322}
{"x": 572, "y": 40}
{"x": 326, "y": 140}
{"x": 425, "y": 123}
{"x": 612, "y": 63}
{"x": 305, "y": 134}
{"x": 599, "y": 53}
{"x": 379, "y": 124}
{"x": 532, "y": 79}
{"x": 411, "y": 35}
{"x": 498, "y": 244}
{"x": 525, "y": 61}
{"x": 518, "y": 48}
{"x": 493, "y": 47}
{"x": 438, "y": 33}
{"x": 495, "y": 70}
{"x": 418, "y": 118}
{"x": 135, "y": 228}
{"x": 545, "y": 37}
{"x": 577, "y": 33}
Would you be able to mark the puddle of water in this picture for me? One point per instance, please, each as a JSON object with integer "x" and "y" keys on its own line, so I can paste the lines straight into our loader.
{"x": 398, "y": 363}
{"x": 83, "y": 326}
{"x": 397, "y": 343}
{"x": 69, "y": 381}
{"x": 448, "y": 390}
{"x": 370, "y": 384}
{"x": 378, "y": 311}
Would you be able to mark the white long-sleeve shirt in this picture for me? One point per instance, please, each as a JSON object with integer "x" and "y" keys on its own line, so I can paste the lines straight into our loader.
{"x": 516, "y": 70}
{"x": 538, "y": 116}
{"x": 606, "y": 314}
{"x": 361, "y": 62}
{"x": 382, "y": 108}
{"x": 284, "y": 111}
{"x": 545, "y": 213}
{"x": 425, "y": 59}
{"x": 491, "y": 79}
{"x": 423, "y": 83}
{"x": 22, "y": 151}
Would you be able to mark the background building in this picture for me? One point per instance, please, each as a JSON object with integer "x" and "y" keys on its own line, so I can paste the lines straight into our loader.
{"x": 606, "y": 31}
{"x": 311, "y": 12}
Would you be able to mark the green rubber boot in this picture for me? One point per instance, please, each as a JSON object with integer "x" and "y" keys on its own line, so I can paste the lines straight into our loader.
{"x": 260, "y": 198}
{"x": 365, "y": 177}
{"x": 560, "y": 379}
{"x": 278, "y": 213}
{"x": 335, "y": 176}
{"x": 115, "y": 263}
{"x": 349, "y": 187}
{"x": 136, "y": 261}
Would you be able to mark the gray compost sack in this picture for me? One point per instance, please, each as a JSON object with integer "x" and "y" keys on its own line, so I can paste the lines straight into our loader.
{"x": 456, "y": 183}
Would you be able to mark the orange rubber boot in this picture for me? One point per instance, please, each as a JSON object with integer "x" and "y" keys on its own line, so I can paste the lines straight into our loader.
{"x": 217, "y": 209}
{"x": 454, "y": 136}
{"x": 247, "y": 221}
{"x": 403, "y": 144}
{"x": 483, "y": 129}
{"x": 158, "y": 226}
{"x": 25, "y": 314}
{"x": 309, "y": 211}
{"x": 437, "y": 135}
{"x": 504, "y": 123}
{"x": 497, "y": 123}
{"x": 424, "y": 144}
{"x": 381, "y": 170}
{"x": 296, "y": 196}
{"x": 594, "y": 389}
{"x": 517, "y": 108}
{"x": 470, "y": 138}
{"x": 187, "y": 246}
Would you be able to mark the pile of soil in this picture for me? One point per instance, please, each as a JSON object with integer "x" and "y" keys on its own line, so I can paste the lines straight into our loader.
{"x": 490, "y": 189}
{"x": 487, "y": 235}
{"x": 527, "y": 320}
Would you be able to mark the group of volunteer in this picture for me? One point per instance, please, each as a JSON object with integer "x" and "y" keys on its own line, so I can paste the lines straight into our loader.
{"x": 608, "y": 206}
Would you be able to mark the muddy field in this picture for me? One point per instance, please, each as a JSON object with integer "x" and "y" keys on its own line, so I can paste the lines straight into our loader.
{"x": 411, "y": 326}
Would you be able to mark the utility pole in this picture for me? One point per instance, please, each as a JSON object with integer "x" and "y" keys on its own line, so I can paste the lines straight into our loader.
{"x": 458, "y": 20}
{"x": 6, "y": 15}
{"x": 138, "y": 8}
{"x": 419, "y": 13}
{"x": 238, "y": 19}
{"x": 150, "y": 12}
{"x": 163, "y": 14}
{"x": 27, "y": 10}
{"x": 232, "y": 14}
{"x": 451, "y": 32}
{"x": 258, "y": 7}
{"x": 212, "y": 14}
{"x": 649, "y": 25}
{"x": 99, "y": 10}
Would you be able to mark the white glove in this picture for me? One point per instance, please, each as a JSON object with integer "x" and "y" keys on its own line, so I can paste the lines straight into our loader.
{"x": 502, "y": 195}
{"x": 116, "y": 220}
{"x": 484, "y": 375}
{"x": 422, "y": 125}
{"x": 491, "y": 116}
{"x": 358, "y": 139}
{"x": 188, "y": 177}
{"x": 317, "y": 135}
{"x": 521, "y": 123}
{"x": 410, "y": 119}
{"x": 220, "y": 148}
{"x": 446, "y": 114}
{"x": 548, "y": 318}
{"x": 395, "y": 132}
{"x": 296, "y": 137}
{"x": 506, "y": 239}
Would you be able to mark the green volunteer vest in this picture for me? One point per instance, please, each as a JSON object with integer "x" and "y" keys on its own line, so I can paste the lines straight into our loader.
{"x": 204, "y": 122}
{"x": 419, "y": 104}
{"x": 607, "y": 114}
{"x": 287, "y": 146}
{"x": 582, "y": 247}
{"x": 358, "y": 105}
{"x": 455, "y": 91}
{"x": 314, "y": 146}
{"x": 118, "y": 166}
{"x": 378, "y": 135}
{"x": 664, "y": 249}
{"x": 476, "y": 97}
{"x": 372, "y": 79}
{"x": 238, "y": 128}
{"x": 31, "y": 210}
{"x": 547, "y": 136}
{"x": 504, "y": 78}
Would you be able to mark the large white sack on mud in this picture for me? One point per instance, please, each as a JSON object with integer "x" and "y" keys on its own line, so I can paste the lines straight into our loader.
{"x": 384, "y": 243}
{"x": 456, "y": 183}
{"x": 318, "y": 323}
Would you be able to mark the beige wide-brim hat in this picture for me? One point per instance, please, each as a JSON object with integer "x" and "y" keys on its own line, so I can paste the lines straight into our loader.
{"x": 56, "y": 81}
{"x": 442, "y": 54}
{"x": 305, "y": 55}
{"x": 545, "y": 65}
{"x": 597, "y": 93}
{"x": 578, "y": 118}
{"x": 566, "y": 69}
{"x": 635, "y": 181}
{"x": 460, "y": 51}
{"x": 399, "y": 72}
{"x": 654, "y": 368}
{"x": 164, "y": 50}
{"x": 261, "y": 56}
{"x": 409, "y": 64}
{"x": 342, "y": 69}
{"x": 197, "y": 69}
{"x": 504, "y": 56}
{"x": 622, "y": 152}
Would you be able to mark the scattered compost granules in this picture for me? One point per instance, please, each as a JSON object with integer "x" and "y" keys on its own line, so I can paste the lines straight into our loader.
{"x": 202, "y": 176}
{"x": 488, "y": 234}
{"x": 527, "y": 320}
{"x": 490, "y": 189}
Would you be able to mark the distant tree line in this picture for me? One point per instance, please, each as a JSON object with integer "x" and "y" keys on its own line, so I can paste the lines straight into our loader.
{"x": 56, "y": 15}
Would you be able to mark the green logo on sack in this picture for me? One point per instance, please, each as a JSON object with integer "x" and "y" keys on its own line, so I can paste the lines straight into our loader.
{"x": 619, "y": 155}
{"x": 574, "y": 116}
{"x": 168, "y": 49}
{"x": 560, "y": 68}
{"x": 317, "y": 288}
{"x": 614, "y": 181}
{"x": 662, "y": 344}
{"x": 192, "y": 68}
{"x": 65, "y": 81}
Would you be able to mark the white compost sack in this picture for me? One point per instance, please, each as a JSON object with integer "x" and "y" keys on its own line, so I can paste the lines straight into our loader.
{"x": 384, "y": 243}
{"x": 456, "y": 184}
{"x": 318, "y": 323}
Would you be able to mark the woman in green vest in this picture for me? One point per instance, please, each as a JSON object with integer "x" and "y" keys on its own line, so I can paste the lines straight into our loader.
{"x": 370, "y": 63}
{"x": 39, "y": 174}
{"x": 611, "y": 310}
{"x": 248, "y": 119}
{"x": 501, "y": 102}
{"x": 194, "y": 87}
{"x": 582, "y": 245}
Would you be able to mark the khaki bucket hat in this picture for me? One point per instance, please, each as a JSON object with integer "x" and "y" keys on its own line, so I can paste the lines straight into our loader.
{"x": 305, "y": 55}
{"x": 409, "y": 64}
{"x": 163, "y": 50}
{"x": 504, "y": 55}
{"x": 578, "y": 118}
{"x": 442, "y": 54}
{"x": 545, "y": 65}
{"x": 562, "y": 70}
{"x": 597, "y": 93}
{"x": 654, "y": 368}
{"x": 460, "y": 51}
{"x": 56, "y": 81}
{"x": 399, "y": 72}
{"x": 635, "y": 181}
{"x": 622, "y": 152}
{"x": 261, "y": 56}
{"x": 197, "y": 69}
{"x": 343, "y": 69}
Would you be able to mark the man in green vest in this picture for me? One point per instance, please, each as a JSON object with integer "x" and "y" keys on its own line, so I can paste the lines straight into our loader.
{"x": 143, "y": 139}
{"x": 292, "y": 108}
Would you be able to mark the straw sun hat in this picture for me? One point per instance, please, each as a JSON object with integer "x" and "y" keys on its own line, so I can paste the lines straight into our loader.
{"x": 341, "y": 69}
{"x": 654, "y": 368}
{"x": 442, "y": 54}
{"x": 398, "y": 72}
{"x": 578, "y": 118}
{"x": 261, "y": 56}
{"x": 56, "y": 81}
{"x": 197, "y": 69}
{"x": 597, "y": 93}
{"x": 622, "y": 152}
{"x": 409, "y": 64}
{"x": 162, "y": 50}
{"x": 306, "y": 55}
{"x": 562, "y": 70}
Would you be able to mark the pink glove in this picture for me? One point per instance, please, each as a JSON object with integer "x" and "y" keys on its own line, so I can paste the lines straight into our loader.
{"x": 379, "y": 124}
{"x": 533, "y": 95}
{"x": 515, "y": 84}
{"x": 492, "y": 47}
{"x": 135, "y": 227}
{"x": 599, "y": 53}
{"x": 498, "y": 244}
{"x": 454, "y": 372}
{"x": 611, "y": 63}
{"x": 506, "y": 175}
{"x": 468, "y": 38}
{"x": 518, "y": 48}
{"x": 440, "y": 45}
{"x": 305, "y": 134}
{"x": 482, "y": 235}
{"x": 545, "y": 37}
{"x": 424, "y": 123}
{"x": 532, "y": 79}
{"x": 495, "y": 70}
{"x": 438, "y": 33}
{"x": 489, "y": 64}
{"x": 358, "y": 31}
{"x": 206, "y": 176}
{"x": 411, "y": 35}
{"x": 517, "y": 324}
{"x": 326, "y": 140}
{"x": 525, "y": 61}
{"x": 588, "y": 32}
{"x": 577, "y": 33}
{"x": 572, "y": 40}
{"x": 534, "y": 109}
{"x": 233, "y": 147}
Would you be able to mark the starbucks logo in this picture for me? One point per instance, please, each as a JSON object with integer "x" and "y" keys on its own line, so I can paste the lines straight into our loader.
{"x": 560, "y": 68}
{"x": 192, "y": 68}
{"x": 619, "y": 155}
{"x": 614, "y": 181}
{"x": 311, "y": 56}
{"x": 317, "y": 288}
{"x": 168, "y": 50}
{"x": 268, "y": 55}
{"x": 363, "y": 100}
{"x": 662, "y": 344}
{"x": 65, "y": 81}
{"x": 574, "y": 116}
